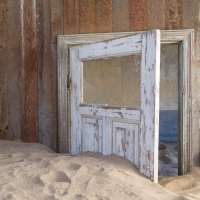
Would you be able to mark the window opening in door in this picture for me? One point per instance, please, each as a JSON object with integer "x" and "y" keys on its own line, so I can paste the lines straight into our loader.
{"x": 168, "y": 122}
{"x": 113, "y": 81}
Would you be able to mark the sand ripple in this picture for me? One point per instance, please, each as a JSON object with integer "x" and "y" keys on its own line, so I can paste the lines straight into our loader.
{"x": 33, "y": 172}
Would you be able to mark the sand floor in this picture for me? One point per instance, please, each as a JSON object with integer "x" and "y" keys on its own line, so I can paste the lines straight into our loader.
{"x": 168, "y": 159}
{"x": 34, "y": 172}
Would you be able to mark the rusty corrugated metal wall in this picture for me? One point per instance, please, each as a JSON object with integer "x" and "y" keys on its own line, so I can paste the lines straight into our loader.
{"x": 28, "y": 70}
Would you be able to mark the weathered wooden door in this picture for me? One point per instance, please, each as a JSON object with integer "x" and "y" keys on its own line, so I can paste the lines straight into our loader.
{"x": 129, "y": 131}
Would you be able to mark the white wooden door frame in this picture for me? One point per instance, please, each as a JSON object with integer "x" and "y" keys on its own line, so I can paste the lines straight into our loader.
{"x": 148, "y": 45}
{"x": 185, "y": 40}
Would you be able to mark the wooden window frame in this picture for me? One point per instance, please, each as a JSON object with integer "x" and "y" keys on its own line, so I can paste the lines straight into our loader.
{"x": 185, "y": 40}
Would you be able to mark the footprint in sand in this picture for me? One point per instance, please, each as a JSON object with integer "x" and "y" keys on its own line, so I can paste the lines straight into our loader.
{"x": 55, "y": 176}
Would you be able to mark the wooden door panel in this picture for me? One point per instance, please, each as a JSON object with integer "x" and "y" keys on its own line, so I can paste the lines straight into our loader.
{"x": 125, "y": 140}
{"x": 124, "y": 131}
{"x": 91, "y": 134}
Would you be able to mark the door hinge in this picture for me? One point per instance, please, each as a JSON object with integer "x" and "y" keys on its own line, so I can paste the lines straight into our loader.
{"x": 69, "y": 82}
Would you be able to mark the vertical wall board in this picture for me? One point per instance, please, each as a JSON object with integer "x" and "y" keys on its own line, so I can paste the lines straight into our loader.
{"x": 103, "y": 16}
{"x": 40, "y": 57}
{"x": 173, "y": 14}
{"x": 156, "y": 14}
{"x": 15, "y": 70}
{"x": 120, "y": 15}
{"x": 29, "y": 59}
{"x": 138, "y": 15}
{"x": 3, "y": 73}
{"x": 87, "y": 16}
{"x": 46, "y": 78}
{"x": 71, "y": 16}
{"x": 191, "y": 20}
{"x": 56, "y": 19}
{"x": 54, "y": 98}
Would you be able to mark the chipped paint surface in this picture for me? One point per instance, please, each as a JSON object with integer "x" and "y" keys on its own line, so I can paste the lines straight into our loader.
{"x": 116, "y": 130}
{"x": 150, "y": 78}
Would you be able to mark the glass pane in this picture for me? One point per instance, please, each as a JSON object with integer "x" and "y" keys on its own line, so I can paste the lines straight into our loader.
{"x": 113, "y": 81}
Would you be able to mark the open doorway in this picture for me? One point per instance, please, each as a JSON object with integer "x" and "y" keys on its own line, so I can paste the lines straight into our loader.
{"x": 168, "y": 120}
{"x": 182, "y": 38}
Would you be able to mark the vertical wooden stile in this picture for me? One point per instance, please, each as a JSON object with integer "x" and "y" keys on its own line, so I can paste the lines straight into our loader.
{"x": 150, "y": 80}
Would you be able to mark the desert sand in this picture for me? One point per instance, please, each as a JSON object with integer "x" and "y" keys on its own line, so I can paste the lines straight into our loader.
{"x": 34, "y": 172}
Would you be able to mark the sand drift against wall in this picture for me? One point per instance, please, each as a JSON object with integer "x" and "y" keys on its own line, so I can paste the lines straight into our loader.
{"x": 32, "y": 171}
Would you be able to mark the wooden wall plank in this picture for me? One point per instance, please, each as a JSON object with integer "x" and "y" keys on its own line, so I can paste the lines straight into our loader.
{"x": 156, "y": 14}
{"x": 87, "y": 16}
{"x": 190, "y": 14}
{"x": 3, "y": 72}
{"x": 173, "y": 14}
{"x": 120, "y": 15}
{"x": 71, "y": 16}
{"x": 103, "y": 16}
{"x": 56, "y": 19}
{"x": 40, "y": 57}
{"x": 47, "y": 89}
{"x": 138, "y": 15}
{"x": 15, "y": 71}
{"x": 29, "y": 59}
{"x": 191, "y": 20}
